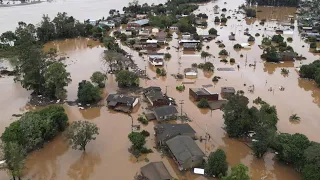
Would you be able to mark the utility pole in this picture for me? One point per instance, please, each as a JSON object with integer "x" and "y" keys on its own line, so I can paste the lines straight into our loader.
{"x": 145, "y": 71}
{"x": 167, "y": 90}
{"x": 206, "y": 136}
{"x": 181, "y": 103}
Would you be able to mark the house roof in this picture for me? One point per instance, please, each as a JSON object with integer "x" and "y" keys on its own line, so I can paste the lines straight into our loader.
{"x": 153, "y": 93}
{"x": 189, "y": 41}
{"x": 160, "y": 112}
{"x": 201, "y": 91}
{"x": 183, "y": 148}
{"x": 112, "y": 99}
{"x": 186, "y": 70}
{"x": 189, "y": 45}
{"x": 167, "y": 131}
{"x": 153, "y": 41}
{"x": 141, "y": 22}
{"x": 156, "y": 171}
{"x": 161, "y": 36}
{"x": 228, "y": 90}
{"x": 288, "y": 53}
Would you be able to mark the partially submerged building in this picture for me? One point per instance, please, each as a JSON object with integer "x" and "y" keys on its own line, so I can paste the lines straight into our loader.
{"x": 227, "y": 91}
{"x": 156, "y": 59}
{"x": 185, "y": 152}
{"x": 164, "y": 132}
{"x": 203, "y": 93}
{"x": 155, "y": 171}
{"x": 122, "y": 102}
{"x": 155, "y": 96}
{"x": 164, "y": 113}
{"x": 191, "y": 72}
{"x": 161, "y": 37}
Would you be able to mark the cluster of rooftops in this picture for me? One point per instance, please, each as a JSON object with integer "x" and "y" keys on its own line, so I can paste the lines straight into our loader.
{"x": 178, "y": 139}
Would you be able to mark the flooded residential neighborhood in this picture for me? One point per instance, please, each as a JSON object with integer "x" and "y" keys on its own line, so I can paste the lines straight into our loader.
{"x": 109, "y": 157}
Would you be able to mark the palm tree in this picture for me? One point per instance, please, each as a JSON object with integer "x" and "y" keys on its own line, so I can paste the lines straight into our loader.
{"x": 205, "y": 55}
{"x": 294, "y": 117}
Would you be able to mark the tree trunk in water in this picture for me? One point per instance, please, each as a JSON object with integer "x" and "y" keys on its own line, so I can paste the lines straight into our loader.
{"x": 14, "y": 178}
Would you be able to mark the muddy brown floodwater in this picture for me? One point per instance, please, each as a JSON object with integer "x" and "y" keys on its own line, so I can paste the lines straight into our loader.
{"x": 108, "y": 156}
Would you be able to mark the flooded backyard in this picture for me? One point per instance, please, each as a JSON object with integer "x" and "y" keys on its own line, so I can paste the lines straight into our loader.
{"x": 107, "y": 157}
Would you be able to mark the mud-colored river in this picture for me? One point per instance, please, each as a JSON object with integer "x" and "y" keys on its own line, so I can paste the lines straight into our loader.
{"x": 108, "y": 156}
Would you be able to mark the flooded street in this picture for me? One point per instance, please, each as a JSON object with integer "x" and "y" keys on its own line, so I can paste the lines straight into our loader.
{"x": 107, "y": 157}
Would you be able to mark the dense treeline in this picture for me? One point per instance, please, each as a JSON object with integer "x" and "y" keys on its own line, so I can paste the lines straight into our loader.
{"x": 37, "y": 70}
{"x": 311, "y": 71}
{"x": 33, "y": 129}
{"x": 295, "y": 149}
{"x": 291, "y": 3}
{"x": 30, "y": 133}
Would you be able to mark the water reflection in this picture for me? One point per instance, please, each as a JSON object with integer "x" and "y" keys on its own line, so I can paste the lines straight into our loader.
{"x": 90, "y": 114}
{"x": 84, "y": 166}
{"x": 270, "y": 68}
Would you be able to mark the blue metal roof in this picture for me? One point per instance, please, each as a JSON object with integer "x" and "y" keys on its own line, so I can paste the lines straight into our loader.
{"x": 142, "y": 22}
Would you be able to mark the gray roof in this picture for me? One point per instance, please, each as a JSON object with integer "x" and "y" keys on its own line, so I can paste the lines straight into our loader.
{"x": 167, "y": 131}
{"x": 113, "y": 99}
{"x": 189, "y": 45}
{"x": 156, "y": 171}
{"x": 162, "y": 35}
{"x": 183, "y": 148}
{"x": 201, "y": 91}
{"x": 228, "y": 90}
{"x": 164, "y": 111}
{"x": 154, "y": 93}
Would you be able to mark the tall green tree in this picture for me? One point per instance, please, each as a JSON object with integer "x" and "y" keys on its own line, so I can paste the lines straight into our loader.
{"x": 237, "y": 116}
{"x": 80, "y": 133}
{"x": 31, "y": 61}
{"x": 204, "y": 55}
{"x": 126, "y": 78}
{"x": 14, "y": 155}
{"x": 98, "y": 78}
{"x": 217, "y": 165}
{"x": 56, "y": 78}
{"x": 291, "y": 148}
{"x": 239, "y": 172}
{"x": 88, "y": 93}
{"x": 46, "y": 30}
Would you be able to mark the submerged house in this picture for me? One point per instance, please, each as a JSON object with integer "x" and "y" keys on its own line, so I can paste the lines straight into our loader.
{"x": 191, "y": 72}
{"x": 185, "y": 152}
{"x": 287, "y": 56}
{"x": 152, "y": 43}
{"x": 164, "y": 132}
{"x": 155, "y": 171}
{"x": 202, "y": 93}
{"x": 164, "y": 113}
{"x": 155, "y": 96}
{"x": 189, "y": 46}
{"x": 161, "y": 37}
{"x": 227, "y": 91}
{"x": 121, "y": 102}
{"x": 156, "y": 59}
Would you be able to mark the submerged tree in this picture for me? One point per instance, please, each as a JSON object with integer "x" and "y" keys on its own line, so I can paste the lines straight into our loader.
{"x": 56, "y": 78}
{"x": 98, "y": 78}
{"x": 239, "y": 172}
{"x": 126, "y": 78}
{"x": 88, "y": 93}
{"x": 294, "y": 117}
{"x": 80, "y": 133}
{"x": 205, "y": 55}
{"x": 14, "y": 154}
{"x": 217, "y": 165}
